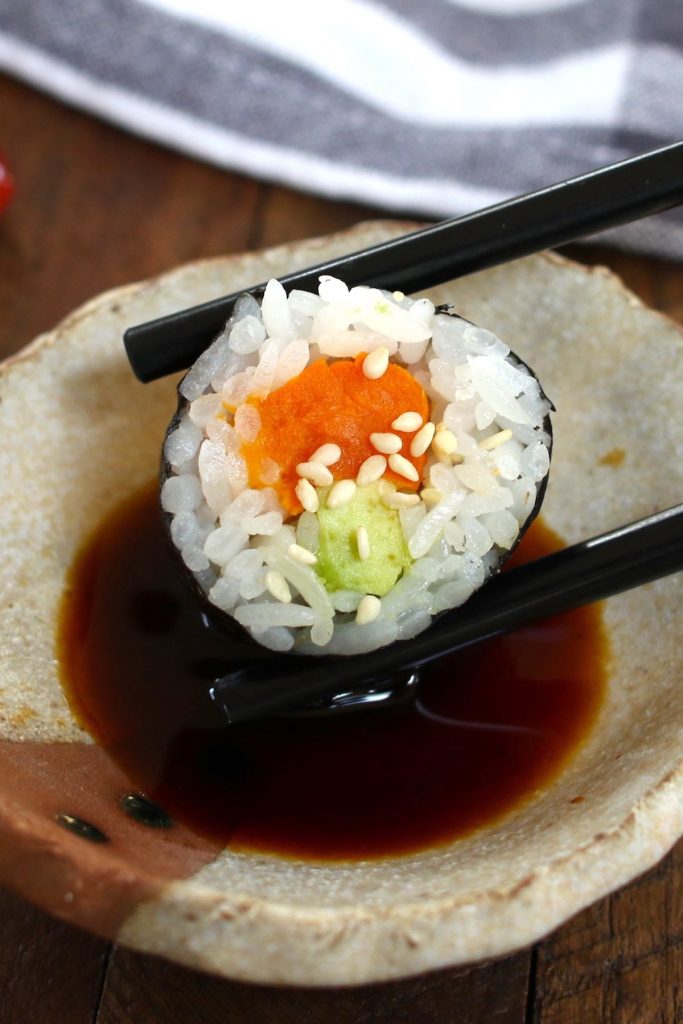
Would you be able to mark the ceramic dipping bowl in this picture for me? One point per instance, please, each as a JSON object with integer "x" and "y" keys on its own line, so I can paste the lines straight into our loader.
{"x": 80, "y": 432}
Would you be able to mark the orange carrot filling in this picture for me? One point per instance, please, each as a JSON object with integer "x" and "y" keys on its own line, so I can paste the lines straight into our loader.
{"x": 332, "y": 402}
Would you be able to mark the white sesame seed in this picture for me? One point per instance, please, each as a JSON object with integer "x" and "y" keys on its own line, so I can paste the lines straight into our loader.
{"x": 376, "y": 363}
{"x": 489, "y": 443}
{"x": 399, "y": 499}
{"x": 301, "y": 554}
{"x": 315, "y": 472}
{"x": 341, "y": 493}
{"x": 368, "y": 609}
{"x": 422, "y": 440}
{"x": 326, "y": 454}
{"x": 363, "y": 543}
{"x": 305, "y": 492}
{"x": 276, "y": 585}
{"x": 403, "y": 467}
{"x": 431, "y": 495}
{"x": 386, "y": 443}
{"x": 371, "y": 470}
{"x": 445, "y": 441}
{"x": 407, "y": 422}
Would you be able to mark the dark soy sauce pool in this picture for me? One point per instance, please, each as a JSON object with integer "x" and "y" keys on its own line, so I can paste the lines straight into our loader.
{"x": 493, "y": 724}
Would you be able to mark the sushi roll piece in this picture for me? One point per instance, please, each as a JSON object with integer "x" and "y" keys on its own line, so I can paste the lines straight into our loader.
{"x": 344, "y": 466}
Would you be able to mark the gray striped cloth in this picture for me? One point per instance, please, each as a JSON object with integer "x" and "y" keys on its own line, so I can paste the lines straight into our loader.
{"x": 428, "y": 107}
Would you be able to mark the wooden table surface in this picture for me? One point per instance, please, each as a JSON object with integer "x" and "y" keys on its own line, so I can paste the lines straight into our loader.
{"x": 95, "y": 208}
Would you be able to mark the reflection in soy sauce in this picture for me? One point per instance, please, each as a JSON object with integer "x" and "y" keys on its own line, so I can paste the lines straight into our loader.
{"x": 461, "y": 723}
{"x": 491, "y": 725}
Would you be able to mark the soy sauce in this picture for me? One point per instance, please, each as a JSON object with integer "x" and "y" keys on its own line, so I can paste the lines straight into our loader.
{"x": 492, "y": 725}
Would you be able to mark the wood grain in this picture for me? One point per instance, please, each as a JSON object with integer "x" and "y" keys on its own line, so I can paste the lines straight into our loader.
{"x": 143, "y": 989}
{"x": 49, "y": 971}
{"x": 95, "y": 208}
{"x": 285, "y": 216}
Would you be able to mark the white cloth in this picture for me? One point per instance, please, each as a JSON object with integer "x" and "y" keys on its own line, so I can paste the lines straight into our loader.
{"x": 423, "y": 106}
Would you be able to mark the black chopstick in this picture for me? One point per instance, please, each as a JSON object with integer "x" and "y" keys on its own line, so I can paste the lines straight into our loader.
{"x": 589, "y": 571}
{"x": 552, "y": 216}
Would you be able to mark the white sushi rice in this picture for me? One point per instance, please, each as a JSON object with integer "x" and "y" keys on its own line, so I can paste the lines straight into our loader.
{"x": 476, "y": 499}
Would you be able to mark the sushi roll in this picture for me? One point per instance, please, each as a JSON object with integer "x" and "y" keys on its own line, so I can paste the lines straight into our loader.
{"x": 344, "y": 466}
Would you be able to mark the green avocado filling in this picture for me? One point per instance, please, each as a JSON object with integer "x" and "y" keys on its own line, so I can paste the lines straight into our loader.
{"x": 339, "y": 563}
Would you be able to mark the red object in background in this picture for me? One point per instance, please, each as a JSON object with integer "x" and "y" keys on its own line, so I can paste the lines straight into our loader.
{"x": 6, "y": 185}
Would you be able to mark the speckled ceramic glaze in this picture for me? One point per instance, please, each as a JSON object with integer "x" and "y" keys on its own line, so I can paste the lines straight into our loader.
{"x": 79, "y": 431}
